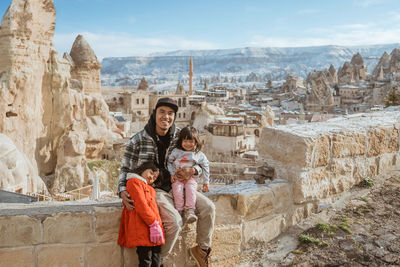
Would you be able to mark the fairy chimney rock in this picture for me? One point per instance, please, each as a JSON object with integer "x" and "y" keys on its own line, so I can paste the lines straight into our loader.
{"x": 357, "y": 60}
{"x": 26, "y": 33}
{"x": 382, "y": 66}
{"x": 144, "y": 85}
{"x": 354, "y": 71}
{"x": 86, "y": 67}
{"x": 394, "y": 63}
{"x": 180, "y": 89}
{"x": 333, "y": 74}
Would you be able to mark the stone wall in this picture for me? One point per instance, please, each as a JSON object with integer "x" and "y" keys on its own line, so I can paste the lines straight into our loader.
{"x": 85, "y": 234}
{"x": 321, "y": 160}
{"x": 314, "y": 163}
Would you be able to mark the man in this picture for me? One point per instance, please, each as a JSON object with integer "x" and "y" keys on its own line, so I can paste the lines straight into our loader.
{"x": 154, "y": 144}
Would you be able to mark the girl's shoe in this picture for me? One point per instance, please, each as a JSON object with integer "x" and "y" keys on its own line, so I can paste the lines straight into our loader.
{"x": 190, "y": 217}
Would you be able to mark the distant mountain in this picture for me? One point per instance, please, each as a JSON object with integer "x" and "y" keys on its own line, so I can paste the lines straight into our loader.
{"x": 267, "y": 63}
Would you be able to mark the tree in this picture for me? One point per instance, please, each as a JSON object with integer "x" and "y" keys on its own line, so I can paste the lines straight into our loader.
{"x": 393, "y": 97}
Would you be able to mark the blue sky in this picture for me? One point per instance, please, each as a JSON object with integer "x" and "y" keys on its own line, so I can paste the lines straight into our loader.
{"x": 135, "y": 28}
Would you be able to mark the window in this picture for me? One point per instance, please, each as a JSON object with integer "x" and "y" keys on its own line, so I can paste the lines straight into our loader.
{"x": 179, "y": 115}
{"x": 137, "y": 101}
{"x": 179, "y": 102}
{"x": 184, "y": 102}
{"x": 142, "y": 100}
{"x": 184, "y": 115}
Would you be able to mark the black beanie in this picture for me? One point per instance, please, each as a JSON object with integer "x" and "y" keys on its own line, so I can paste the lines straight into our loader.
{"x": 166, "y": 101}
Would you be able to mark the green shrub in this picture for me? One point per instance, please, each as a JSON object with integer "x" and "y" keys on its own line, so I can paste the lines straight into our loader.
{"x": 309, "y": 240}
{"x": 367, "y": 182}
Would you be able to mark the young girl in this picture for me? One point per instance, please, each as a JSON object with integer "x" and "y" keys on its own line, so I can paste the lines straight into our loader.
{"x": 141, "y": 227}
{"x": 187, "y": 154}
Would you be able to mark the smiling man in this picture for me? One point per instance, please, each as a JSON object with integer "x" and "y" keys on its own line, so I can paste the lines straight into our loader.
{"x": 153, "y": 144}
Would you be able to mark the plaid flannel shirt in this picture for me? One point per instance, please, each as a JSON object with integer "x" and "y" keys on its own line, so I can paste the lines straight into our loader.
{"x": 140, "y": 148}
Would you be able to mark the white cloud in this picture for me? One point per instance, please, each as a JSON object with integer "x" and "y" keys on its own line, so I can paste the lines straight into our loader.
{"x": 122, "y": 44}
{"x": 353, "y": 36}
{"x": 260, "y": 41}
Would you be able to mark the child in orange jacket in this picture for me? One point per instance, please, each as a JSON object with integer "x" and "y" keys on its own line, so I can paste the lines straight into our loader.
{"x": 142, "y": 227}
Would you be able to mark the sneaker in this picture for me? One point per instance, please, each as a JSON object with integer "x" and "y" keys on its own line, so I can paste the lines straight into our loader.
{"x": 190, "y": 217}
{"x": 201, "y": 257}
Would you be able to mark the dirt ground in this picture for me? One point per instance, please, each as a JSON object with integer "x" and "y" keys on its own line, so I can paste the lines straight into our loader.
{"x": 362, "y": 230}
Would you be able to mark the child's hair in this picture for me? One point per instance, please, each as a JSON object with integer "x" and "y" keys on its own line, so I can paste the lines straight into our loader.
{"x": 189, "y": 133}
{"x": 146, "y": 165}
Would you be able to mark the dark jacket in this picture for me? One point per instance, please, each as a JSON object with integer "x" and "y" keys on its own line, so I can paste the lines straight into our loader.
{"x": 142, "y": 147}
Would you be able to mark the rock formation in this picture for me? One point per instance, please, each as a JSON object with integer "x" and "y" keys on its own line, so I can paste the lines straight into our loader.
{"x": 143, "y": 85}
{"x": 85, "y": 66}
{"x": 26, "y": 33}
{"x": 382, "y": 68}
{"x": 180, "y": 90}
{"x": 55, "y": 126}
{"x": 333, "y": 79}
{"x": 354, "y": 71}
{"x": 17, "y": 172}
{"x": 394, "y": 63}
{"x": 292, "y": 83}
{"x": 320, "y": 96}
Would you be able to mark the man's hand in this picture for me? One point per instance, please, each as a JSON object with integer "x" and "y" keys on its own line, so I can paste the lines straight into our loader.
{"x": 126, "y": 199}
{"x": 206, "y": 187}
{"x": 172, "y": 179}
{"x": 185, "y": 174}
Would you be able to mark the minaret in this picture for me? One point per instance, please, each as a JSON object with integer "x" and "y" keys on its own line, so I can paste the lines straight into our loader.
{"x": 191, "y": 76}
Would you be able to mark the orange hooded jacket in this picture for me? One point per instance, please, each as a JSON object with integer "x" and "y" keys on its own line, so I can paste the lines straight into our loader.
{"x": 134, "y": 227}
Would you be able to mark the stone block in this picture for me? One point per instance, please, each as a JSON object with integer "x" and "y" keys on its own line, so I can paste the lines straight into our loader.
{"x": 19, "y": 231}
{"x": 180, "y": 254}
{"x": 279, "y": 145}
{"x": 382, "y": 140}
{"x": 130, "y": 257}
{"x": 341, "y": 167}
{"x": 263, "y": 200}
{"x": 311, "y": 185}
{"x": 225, "y": 210}
{"x": 227, "y": 241}
{"x": 365, "y": 167}
{"x": 108, "y": 254}
{"x": 321, "y": 151}
{"x": 107, "y": 220}
{"x": 348, "y": 144}
{"x": 386, "y": 162}
{"x": 262, "y": 230}
{"x": 283, "y": 196}
{"x": 69, "y": 228}
{"x": 301, "y": 212}
{"x": 341, "y": 183}
{"x": 57, "y": 256}
{"x": 21, "y": 257}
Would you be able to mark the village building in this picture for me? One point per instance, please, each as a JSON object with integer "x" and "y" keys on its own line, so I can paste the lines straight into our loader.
{"x": 229, "y": 137}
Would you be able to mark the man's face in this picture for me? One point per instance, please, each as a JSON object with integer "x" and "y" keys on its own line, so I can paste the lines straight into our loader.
{"x": 164, "y": 118}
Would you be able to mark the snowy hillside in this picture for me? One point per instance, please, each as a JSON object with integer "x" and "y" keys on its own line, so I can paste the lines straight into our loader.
{"x": 266, "y": 63}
